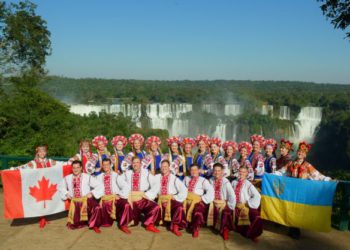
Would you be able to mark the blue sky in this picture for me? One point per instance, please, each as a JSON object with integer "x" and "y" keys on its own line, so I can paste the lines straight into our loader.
{"x": 195, "y": 39}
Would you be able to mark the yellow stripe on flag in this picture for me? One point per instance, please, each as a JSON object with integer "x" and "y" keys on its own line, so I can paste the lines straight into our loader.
{"x": 296, "y": 214}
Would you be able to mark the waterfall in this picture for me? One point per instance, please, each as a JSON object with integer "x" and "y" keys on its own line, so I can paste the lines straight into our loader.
{"x": 232, "y": 109}
{"x": 179, "y": 127}
{"x": 284, "y": 113}
{"x": 306, "y": 123}
{"x": 220, "y": 131}
{"x": 267, "y": 110}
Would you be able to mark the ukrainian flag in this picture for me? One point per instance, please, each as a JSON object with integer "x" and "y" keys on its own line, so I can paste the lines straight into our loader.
{"x": 297, "y": 203}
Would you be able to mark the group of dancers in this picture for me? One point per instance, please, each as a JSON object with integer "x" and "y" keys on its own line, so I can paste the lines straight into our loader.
{"x": 178, "y": 189}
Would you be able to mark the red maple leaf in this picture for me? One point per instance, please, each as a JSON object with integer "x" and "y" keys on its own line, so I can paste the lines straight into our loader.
{"x": 43, "y": 191}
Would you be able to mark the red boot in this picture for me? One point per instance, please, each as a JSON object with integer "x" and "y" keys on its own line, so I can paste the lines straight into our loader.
{"x": 125, "y": 229}
{"x": 96, "y": 230}
{"x": 42, "y": 222}
{"x": 176, "y": 230}
{"x": 225, "y": 234}
{"x": 152, "y": 228}
{"x": 195, "y": 233}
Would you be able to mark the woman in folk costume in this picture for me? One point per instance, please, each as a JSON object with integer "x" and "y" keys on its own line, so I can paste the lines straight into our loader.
{"x": 200, "y": 195}
{"x": 221, "y": 210}
{"x": 82, "y": 190}
{"x": 119, "y": 142}
{"x": 270, "y": 156}
{"x": 247, "y": 222}
{"x": 154, "y": 152}
{"x": 216, "y": 156}
{"x": 282, "y": 162}
{"x": 256, "y": 158}
{"x": 202, "y": 156}
{"x": 84, "y": 155}
{"x": 302, "y": 169}
{"x": 187, "y": 145}
{"x": 93, "y": 166}
{"x": 230, "y": 148}
{"x": 245, "y": 148}
{"x": 114, "y": 201}
{"x": 175, "y": 157}
{"x": 171, "y": 192}
{"x": 136, "y": 141}
{"x": 40, "y": 161}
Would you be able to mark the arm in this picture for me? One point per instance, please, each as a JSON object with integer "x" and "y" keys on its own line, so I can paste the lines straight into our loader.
{"x": 208, "y": 196}
{"x": 63, "y": 189}
{"x": 97, "y": 188}
{"x": 181, "y": 191}
{"x": 124, "y": 188}
{"x": 255, "y": 197}
{"x": 231, "y": 197}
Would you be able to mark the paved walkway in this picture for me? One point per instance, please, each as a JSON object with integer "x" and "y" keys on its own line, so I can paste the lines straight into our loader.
{"x": 25, "y": 234}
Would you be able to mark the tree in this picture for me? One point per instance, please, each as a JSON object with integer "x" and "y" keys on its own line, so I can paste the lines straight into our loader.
{"x": 338, "y": 11}
{"x": 24, "y": 43}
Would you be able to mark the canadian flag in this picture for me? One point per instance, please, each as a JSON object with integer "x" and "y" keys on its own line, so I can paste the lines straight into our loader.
{"x": 34, "y": 192}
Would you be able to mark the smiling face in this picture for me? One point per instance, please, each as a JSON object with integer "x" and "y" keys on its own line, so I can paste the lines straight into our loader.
{"x": 230, "y": 151}
{"x": 202, "y": 146}
{"x": 243, "y": 173}
{"x": 269, "y": 150}
{"x": 243, "y": 152}
{"x": 119, "y": 146}
{"x": 136, "y": 165}
{"x": 174, "y": 148}
{"x": 41, "y": 152}
{"x": 301, "y": 155}
{"x": 106, "y": 167}
{"x": 214, "y": 148}
{"x": 77, "y": 169}
{"x": 85, "y": 147}
{"x": 154, "y": 147}
{"x": 194, "y": 171}
{"x": 137, "y": 145}
{"x": 283, "y": 151}
{"x": 101, "y": 146}
{"x": 217, "y": 173}
{"x": 165, "y": 168}
{"x": 188, "y": 149}
{"x": 256, "y": 146}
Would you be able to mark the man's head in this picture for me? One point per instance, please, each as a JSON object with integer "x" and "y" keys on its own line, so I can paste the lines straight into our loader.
{"x": 106, "y": 165}
{"x": 77, "y": 167}
{"x": 136, "y": 164}
{"x": 165, "y": 167}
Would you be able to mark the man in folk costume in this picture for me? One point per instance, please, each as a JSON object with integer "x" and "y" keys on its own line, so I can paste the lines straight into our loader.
{"x": 187, "y": 145}
{"x": 82, "y": 190}
{"x": 200, "y": 195}
{"x": 119, "y": 142}
{"x": 256, "y": 158}
{"x": 282, "y": 162}
{"x": 245, "y": 148}
{"x": 175, "y": 157}
{"x": 114, "y": 202}
{"x": 230, "y": 148}
{"x": 84, "y": 154}
{"x": 40, "y": 161}
{"x": 270, "y": 156}
{"x": 142, "y": 195}
{"x": 172, "y": 192}
{"x": 153, "y": 147}
{"x": 136, "y": 141}
{"x": 221, "y": 210}
{"x": 300, "y": 168}
{"x": 93, "y": 166}
{"x": 247, "y": 215}
{"x": 202, "y": 157}
{"x": 216, "y": 156}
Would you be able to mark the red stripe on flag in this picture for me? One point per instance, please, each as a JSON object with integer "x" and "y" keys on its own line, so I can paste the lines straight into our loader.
{"x": 12, "y": 185}
{"x": 67, "y": 169}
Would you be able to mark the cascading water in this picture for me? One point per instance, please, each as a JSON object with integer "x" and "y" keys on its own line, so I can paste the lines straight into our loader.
{"x": 267, "y": 110}
{"x": 284, "y": 113}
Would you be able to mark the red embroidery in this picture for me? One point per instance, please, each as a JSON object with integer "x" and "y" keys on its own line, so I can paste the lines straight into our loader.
{"x": 238, "y": 189}
{"x": 77, "y": 186}
{"x": 42, "y": 164}
{"x": 135, "y": 181}
{"x": 107, "y": 183}
{"x": 217, "y": 188}
{"x": 192, "y": 184}
{"x": 164, "y": 184}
